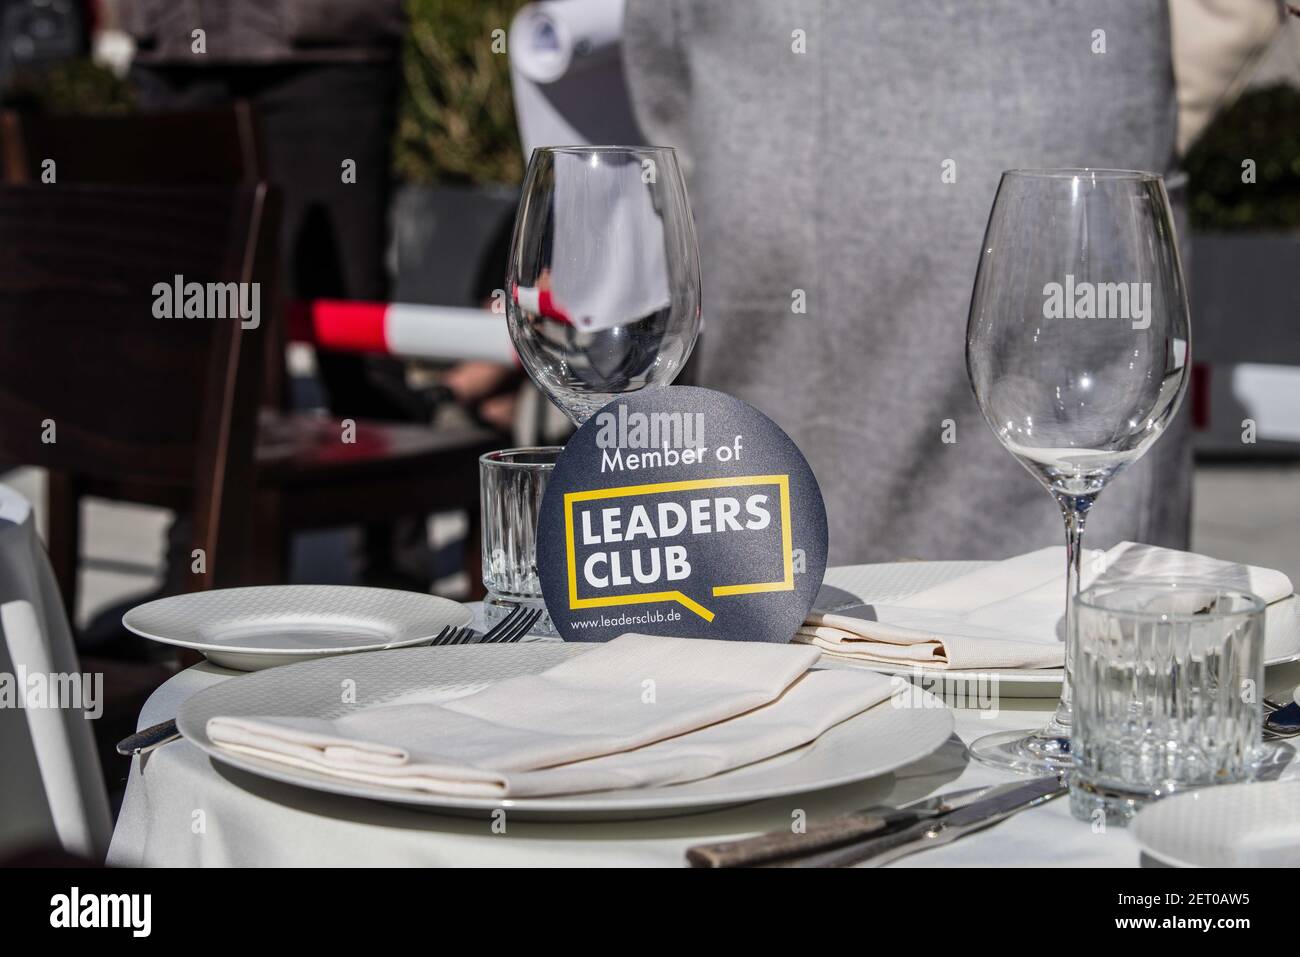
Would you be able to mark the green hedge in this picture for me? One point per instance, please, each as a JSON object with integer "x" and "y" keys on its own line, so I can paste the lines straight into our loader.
{"x": 457, "y": 119}
{"x": 69, "y": 86}
{"x": 1264, "y": 126}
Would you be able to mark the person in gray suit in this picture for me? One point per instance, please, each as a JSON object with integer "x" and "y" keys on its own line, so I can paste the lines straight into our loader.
{"x": 842, "y": 159}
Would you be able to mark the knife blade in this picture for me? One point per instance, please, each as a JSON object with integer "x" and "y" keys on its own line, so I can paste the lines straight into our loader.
{"x": 147, "y": 739}
{"x": 1284, "y": 722}
{"x": 998, "y": 805}
{"x": 833, "y": 832}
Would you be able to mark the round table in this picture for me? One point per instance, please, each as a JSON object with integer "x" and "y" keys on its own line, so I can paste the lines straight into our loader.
{"x": 183, "y": 810}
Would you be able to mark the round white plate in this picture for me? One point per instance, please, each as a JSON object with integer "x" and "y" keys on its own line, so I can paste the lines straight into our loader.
{"x": 870, "y": 744}
{"x": 851, "y": 584}
{"x": 1233, "y": 825}
{"x": 248, "y": 629}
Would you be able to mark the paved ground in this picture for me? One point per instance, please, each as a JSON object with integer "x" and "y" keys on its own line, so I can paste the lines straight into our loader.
{"x": 1249, "y": 514}
{"x": 1242, "y": 512}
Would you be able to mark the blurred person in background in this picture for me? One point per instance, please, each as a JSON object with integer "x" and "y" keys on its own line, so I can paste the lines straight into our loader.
{"x": 851, "y": 150}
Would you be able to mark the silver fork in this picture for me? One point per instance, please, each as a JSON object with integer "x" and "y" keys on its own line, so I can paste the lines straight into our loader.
{"x": 451, "y": 635}
{"x": 508, "y": 630}
{"x": 513, "y": 626}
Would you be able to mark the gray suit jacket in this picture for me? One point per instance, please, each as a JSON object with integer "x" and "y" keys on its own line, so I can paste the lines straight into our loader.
{"x": 821, "y": 171}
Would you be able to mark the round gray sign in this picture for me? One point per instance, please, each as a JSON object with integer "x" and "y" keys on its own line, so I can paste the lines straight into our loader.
{"x": 681, "y": 511}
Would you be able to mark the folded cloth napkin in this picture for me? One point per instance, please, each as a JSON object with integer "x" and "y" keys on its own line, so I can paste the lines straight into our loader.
{"x": 638, "y": 711}
{"x": 1007, "y": 614}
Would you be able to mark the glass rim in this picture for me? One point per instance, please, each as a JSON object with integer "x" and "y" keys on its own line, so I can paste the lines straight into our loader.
{"x": 495, "y": 460}
{"x": 1070, "y": 172}
{"x": 1255, "y": 604}
{"x": 604, "y": 148}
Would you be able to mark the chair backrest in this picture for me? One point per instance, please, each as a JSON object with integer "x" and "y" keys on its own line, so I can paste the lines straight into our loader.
{"x": 96, "y": 381}
{"x": 220, "y": 146}
{"x": 215, "y": 147}
{"x": 54, "y": 788}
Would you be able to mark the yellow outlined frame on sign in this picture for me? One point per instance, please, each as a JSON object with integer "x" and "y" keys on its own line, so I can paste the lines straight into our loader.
{"x": 782, "y": 482}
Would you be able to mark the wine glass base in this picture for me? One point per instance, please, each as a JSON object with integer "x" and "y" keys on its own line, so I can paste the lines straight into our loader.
{"x": 1040, "y": 752}
{"x": 1272, "y": 757}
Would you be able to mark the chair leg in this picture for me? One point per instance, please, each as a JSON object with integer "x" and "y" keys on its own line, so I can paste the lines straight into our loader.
{"x": 63, "y": 522}
{"x": 269, "y": 558}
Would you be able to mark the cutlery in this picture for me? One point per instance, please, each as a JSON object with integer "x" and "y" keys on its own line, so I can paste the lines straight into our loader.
{"x": 510, "y": 629}
{"x": 149, "y": 738}
{"x": 1283, "y": 722}
{"x": 1281, "y": 719}
{"x": 998, "y": 805}
{"x": 841, "y": 829}
{"x": 514, "y": 626}
{"x": 452, "y": 635}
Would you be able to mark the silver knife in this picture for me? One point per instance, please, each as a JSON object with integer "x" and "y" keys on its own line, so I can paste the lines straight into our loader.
{"x": 997, "y": 805}
{"x": 147, "y": 739}
{"x": 833, "y": 832}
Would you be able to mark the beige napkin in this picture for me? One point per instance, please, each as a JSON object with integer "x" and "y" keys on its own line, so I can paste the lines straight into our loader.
{"x": 637, "y": 711}
{"x": 1007, "y": 614}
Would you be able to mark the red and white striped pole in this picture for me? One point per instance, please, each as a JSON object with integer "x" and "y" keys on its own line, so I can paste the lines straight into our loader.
{"x": 445, "y": 333}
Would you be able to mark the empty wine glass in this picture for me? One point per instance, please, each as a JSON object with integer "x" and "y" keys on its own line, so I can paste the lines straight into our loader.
{"x": 1078, "y": 349}
{"x": 603, "y": 287}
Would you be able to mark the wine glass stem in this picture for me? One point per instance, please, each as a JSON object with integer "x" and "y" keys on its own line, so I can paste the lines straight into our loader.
{"x": 1075, "y": 510}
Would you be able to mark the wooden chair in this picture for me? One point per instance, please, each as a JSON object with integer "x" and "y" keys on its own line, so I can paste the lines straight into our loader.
{"x": 214, "y": 147}
{"x": 305, "y": 476}
{"x": 112, "y": 400}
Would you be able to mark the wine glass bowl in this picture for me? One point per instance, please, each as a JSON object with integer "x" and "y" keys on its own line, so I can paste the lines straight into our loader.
{"x": 603, "y": 285}
{"x": 1078, "y": 351}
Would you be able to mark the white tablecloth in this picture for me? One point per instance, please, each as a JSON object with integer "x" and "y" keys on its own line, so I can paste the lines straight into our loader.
{"x": 182, "y": 810}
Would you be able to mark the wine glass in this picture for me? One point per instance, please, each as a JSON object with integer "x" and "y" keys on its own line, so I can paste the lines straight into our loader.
{"x": 1078, "y": 349}
{"x": 603, "y": 287}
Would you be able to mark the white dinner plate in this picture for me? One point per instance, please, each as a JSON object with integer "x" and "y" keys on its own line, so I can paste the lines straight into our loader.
{"x": 846, "y": 585}
{"x": 867, "y": 745}
{"x": 1233, "y": 825}
{"x": 248, "y": 629}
